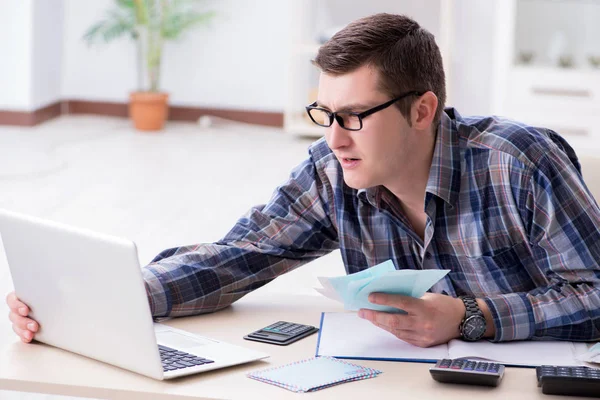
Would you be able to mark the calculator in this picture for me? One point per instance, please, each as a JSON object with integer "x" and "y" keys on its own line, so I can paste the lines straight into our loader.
{"x": 470, "y": 372}
{"x": 282, "y": 333}
{"x": 570, "y": 381}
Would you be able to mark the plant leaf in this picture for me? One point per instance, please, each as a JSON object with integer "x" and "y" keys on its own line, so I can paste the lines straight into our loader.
{"x": 175, "y": 24}
{"x": 115, "y": 25}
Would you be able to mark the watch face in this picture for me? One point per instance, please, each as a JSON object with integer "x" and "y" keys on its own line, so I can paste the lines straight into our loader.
{"x": 474, "y": 327}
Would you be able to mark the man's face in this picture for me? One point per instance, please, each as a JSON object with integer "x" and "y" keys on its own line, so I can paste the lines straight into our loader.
{"x": 379, "y": 153}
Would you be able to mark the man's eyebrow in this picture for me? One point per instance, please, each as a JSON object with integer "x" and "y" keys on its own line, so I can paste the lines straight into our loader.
{"x": 348, "y": 107}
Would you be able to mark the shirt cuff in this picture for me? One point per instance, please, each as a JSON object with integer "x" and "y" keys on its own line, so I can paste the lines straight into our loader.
{"x": 513, "y": 317}
{"x": 157, "y": 293}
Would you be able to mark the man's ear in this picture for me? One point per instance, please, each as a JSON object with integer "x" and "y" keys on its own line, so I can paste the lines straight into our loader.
{"x": 423, "y": 111}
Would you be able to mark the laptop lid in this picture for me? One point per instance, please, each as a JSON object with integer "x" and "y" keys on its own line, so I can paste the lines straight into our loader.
{"x": 85, "y": 289}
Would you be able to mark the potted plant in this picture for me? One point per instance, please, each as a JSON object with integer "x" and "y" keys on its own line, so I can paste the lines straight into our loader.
{"x": 149, "y": 23}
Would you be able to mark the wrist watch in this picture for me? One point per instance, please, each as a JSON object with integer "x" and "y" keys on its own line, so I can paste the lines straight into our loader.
{"x": 473, "y": 325}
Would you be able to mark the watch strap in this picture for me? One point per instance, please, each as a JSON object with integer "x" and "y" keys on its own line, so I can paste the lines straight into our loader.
{"x": 471, "y": 306}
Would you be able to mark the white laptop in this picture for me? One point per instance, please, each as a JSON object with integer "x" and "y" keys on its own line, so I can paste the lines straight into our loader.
{"x": 86, "y": 291}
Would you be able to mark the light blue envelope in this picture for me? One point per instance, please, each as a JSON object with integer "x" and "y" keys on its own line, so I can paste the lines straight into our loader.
{"x": 406, "y": 282}
{"x": 354, "y": 289}
{"x": 348, "y": 286}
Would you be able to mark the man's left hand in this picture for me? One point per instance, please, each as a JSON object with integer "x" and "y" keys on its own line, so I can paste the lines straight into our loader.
{"x": 431, "y": 320}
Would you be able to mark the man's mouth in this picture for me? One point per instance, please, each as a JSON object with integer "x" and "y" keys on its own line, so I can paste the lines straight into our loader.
{"x": 349, "y": 162}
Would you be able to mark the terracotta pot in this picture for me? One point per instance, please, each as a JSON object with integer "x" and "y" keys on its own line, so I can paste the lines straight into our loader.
{"x": 149, "y": 110}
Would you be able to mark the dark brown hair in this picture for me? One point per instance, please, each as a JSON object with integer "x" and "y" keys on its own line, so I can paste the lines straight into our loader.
{"x": 405, "y": 55}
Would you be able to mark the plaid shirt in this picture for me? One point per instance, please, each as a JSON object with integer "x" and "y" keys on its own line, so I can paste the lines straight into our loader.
{"x": 508, "y": 214}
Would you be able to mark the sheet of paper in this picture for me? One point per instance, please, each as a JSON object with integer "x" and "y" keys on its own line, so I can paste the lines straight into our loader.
{"x": 527, "y": 353}
{"x": 313, "y": 374}
{"x": 405, "y": 282}
{"x": 347, "y": 335}
{"x": 592, "y": 355}
{"x": 353, "y": 290}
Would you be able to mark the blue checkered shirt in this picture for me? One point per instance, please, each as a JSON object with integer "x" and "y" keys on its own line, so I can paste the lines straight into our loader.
{"x": 508, "y": 214}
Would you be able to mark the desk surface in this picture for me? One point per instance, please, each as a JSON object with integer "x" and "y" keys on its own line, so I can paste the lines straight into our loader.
{"x": 41, "y": 368}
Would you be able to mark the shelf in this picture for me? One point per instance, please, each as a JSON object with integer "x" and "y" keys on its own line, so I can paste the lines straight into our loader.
{"x": 546, "y": 68}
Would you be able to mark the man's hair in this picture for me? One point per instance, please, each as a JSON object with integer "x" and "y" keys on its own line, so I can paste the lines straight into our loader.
{"x": 404, "y": 54}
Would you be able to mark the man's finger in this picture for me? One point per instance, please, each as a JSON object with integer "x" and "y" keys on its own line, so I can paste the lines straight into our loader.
{"x": 392, "y": 321}
{"x": 403, "y": 334}
{"x": 406, "y": 303}
{"x": 10, "y": 299}
{"x": 22, "y": 322}
{"x": 16, "y": 305}
{"x": 25, "y": 335}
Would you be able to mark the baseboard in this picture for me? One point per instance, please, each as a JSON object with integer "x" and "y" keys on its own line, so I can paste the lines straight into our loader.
{"x": 114, "y": 109}
{"x": 31, "y": 118}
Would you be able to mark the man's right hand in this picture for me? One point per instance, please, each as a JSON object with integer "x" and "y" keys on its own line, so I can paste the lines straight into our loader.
{"x": 23, "y": 326}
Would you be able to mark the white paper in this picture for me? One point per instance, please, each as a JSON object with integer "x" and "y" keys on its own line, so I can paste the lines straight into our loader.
{"x": 347, "y": 335}
{"x": 592, "y": 355}
{"x": 526, "y": 353}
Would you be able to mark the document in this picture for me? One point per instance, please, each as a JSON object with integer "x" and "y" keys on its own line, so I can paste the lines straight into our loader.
{"x": 345, "y": 335}
{"x": 353, "y": 290}
{"x": 313, "y": 374}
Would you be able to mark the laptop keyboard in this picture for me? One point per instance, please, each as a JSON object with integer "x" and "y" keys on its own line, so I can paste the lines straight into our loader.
{"x": 174, "y": 359}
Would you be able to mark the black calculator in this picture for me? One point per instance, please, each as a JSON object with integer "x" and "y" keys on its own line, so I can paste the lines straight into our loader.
{"x": 470, "y": 372}
{"x": 282, "y": 333}
{"x": 569, "y": 381}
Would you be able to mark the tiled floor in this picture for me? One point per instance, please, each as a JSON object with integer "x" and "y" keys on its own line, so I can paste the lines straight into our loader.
{"x": 185, "y": 185}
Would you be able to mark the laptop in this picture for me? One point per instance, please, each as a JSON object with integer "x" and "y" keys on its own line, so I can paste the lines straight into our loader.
{"x": 86, "y": 291}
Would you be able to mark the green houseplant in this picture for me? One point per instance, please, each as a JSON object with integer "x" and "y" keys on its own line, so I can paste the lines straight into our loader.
{"x": 149, "y": 23}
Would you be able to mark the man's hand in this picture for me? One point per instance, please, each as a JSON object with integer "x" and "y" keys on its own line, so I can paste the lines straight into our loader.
{"x": 23, "y": 326}
{"x": 431, "y": 320}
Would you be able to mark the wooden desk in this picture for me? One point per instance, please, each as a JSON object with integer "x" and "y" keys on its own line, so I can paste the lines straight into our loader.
{"x": 44, "y": 369}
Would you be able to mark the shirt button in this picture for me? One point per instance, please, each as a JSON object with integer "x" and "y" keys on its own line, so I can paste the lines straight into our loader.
{"x": 427, "y": 255}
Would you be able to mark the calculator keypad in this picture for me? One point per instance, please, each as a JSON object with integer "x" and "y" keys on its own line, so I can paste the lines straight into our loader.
{"x": 471, "y": 372}
{"x": 281, "y": 333}
{"x": 570, "y": 381}
{"x": 287, "y": 328}
{"x": 578, "y": 372}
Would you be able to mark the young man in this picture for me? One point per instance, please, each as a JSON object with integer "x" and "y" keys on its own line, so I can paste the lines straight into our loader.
{"x": 500, "y": 204}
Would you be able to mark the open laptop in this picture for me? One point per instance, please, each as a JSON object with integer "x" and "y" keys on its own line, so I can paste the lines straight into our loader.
{"x": 86, "y": 291}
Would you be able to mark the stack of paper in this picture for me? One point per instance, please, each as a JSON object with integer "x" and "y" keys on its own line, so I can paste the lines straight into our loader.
{"x": 313, "y": 374}
{"x": 345, "y": 335}
{"x": 353, "y": 290}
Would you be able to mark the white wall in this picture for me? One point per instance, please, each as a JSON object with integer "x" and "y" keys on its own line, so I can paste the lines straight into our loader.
{"x": 15, "y": 66}
{"x": 238, "y": 62}
{"x": 31, "y": 49}
{"x": 471, "y": 70}
{"x": 47, "y": 45}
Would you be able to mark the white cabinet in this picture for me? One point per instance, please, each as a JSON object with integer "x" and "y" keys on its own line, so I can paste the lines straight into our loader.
{"x": 313, "y": 19}
{"x": 545, "y": 76}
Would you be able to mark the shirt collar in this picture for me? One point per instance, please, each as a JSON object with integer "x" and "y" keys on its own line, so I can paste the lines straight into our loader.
{"x": 445, "y": 170}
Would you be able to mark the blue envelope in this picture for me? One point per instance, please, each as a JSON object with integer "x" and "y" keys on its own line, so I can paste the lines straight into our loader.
{"x": 354, "y": 289}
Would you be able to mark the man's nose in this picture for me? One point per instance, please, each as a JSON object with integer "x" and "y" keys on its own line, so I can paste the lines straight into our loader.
{"x": 337, "y": 136}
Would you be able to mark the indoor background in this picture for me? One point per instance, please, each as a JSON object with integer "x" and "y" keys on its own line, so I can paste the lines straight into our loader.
{"x": 237, "y": 88}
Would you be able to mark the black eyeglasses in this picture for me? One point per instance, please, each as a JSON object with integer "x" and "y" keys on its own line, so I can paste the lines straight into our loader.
{"x": 349, "y": 120}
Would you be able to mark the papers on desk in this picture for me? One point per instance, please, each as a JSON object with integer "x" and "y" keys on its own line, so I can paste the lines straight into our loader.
{"x": 313, "y": 374}
{"x": 592, "y": 355}
{"x": 353, "y": 290}
{"x": 345, "y": 335}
